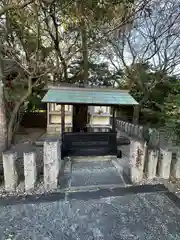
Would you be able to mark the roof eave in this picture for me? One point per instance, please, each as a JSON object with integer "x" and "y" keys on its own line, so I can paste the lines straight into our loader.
{"x": 87, "y": 89}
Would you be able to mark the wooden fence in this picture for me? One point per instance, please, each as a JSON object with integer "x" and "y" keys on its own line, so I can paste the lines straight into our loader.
{"x": 34, "y": 120}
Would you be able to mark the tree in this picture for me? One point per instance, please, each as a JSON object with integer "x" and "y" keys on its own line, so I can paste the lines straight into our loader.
{"x": 148, "y": 52}
{"x": 49, "y": 36}
{"x": 23, "y": 44}
{"x": 3, "y": 10}
{"x": 82, "y": 24}
{"x": 13, "y": 6}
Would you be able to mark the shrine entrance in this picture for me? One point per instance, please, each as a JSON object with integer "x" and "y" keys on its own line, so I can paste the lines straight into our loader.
{"x": 80, "y": 117}
{"x": 81, "y": 139}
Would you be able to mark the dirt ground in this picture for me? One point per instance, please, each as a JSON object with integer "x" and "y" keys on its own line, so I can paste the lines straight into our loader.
{"x": 28, "y": 135}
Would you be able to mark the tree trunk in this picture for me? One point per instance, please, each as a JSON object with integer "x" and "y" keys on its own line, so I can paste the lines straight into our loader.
{"x": 10, "y": 130}
{"x": 84, "y": 45}
{"x": 3, "y": 124}
{"x": 136, "y": 113}
{"x": 63, "y": 64}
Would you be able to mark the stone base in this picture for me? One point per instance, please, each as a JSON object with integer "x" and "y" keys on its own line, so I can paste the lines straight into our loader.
{"x": 137, "y": 160}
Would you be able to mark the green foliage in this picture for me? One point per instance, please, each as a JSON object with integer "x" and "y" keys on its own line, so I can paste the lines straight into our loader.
{"x": 172, "y": 109}
{"x": 99, "y": 73}
{"x": 34, "y": 101}
{"x": 161, "y": 105}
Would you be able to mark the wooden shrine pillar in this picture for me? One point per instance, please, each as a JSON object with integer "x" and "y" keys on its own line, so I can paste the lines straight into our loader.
{"x": 113, "y": 120}
{"x": 62, "y": 119}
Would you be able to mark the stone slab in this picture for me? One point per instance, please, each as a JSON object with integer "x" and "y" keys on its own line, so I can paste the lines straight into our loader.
{"x": 10, "y": 171}
{"x": 30, "y": 170}
{"x": 52, "y": 158}
{"x": 176, "y": 167}
{"x": 137, "y": 160}
{"x": 153, "y": 155}
{"x": 165, "y": 163}
{"x": 95, "y": 173}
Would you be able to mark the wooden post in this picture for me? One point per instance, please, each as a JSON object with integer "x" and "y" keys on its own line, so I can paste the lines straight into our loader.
{"x": 113, "y": 122}
{"x": 62, "y": 119}
{"x": 48, "y": 110}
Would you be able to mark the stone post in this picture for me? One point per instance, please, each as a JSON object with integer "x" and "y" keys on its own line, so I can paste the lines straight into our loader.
{"x": 129, "y": 129}
{"x": 30, "y": 171}
{"x": 123, "y": 127}
{"x": 126, "y": 127}
{"x": 140, "y": 133}
{"x": 52, "y": 156}
{"x": 137, "y": 160}
{"x": 153, "y": 155}
{"x": 132, "y": 129}
{"x": 10, "y": 172}
{"x": 165, "y": 163}
{"x": 176, "y": 167}
{"x": 136, "y": 130}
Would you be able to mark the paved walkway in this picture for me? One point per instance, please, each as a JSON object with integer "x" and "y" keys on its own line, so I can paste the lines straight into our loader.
{"x": 92, "y": 174}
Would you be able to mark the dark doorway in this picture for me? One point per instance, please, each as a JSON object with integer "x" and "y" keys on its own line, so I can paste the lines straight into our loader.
{"x": 80, "y": 115}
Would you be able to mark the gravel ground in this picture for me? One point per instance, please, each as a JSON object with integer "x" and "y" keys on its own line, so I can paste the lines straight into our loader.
{"x": 150, "y": 216}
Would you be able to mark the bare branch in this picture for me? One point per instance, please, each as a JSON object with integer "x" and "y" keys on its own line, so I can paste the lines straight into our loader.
{"x": 14, "y": 7}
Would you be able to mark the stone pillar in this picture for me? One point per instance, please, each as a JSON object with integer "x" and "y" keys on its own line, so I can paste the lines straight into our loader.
{"x": 126, "y": 127}
{"x": 10, "y": 172}
{"x": 137, "y": 160}
{"x": 118, "y": 124}
{"x": 123, "y": 127}
{"x": 132, "y": 129}
{"x": 153, "y": 155}
{"x": 129, "y": 129}
{"x": 165, "y": 163}
{"x": 176, "y": 167}
{"x": 52, "y": 156}
{"x": 30, "y": 171}
{"x": 140, "y": 133}
{"x": 136, "y": 128}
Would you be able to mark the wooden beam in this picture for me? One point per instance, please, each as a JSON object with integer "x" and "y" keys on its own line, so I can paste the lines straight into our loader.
{"x": 62, "y": 118}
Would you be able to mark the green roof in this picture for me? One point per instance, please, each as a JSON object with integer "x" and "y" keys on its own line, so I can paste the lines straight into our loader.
{"x": 89, "y": 96}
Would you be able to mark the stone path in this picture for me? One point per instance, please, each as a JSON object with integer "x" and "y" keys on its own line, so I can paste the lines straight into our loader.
{"x": 91, "y": 173}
